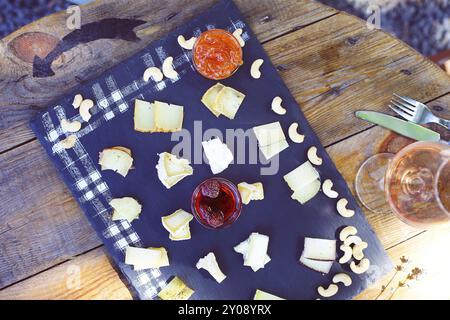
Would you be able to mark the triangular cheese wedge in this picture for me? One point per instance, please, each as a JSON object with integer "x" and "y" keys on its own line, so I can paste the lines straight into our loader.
{"x": 209, "y": 98}
{"x": 228, "y": 101}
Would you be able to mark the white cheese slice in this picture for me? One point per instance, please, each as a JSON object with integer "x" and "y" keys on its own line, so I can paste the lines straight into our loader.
{"x": 209, "y": 263}
{"x": 143, "y": 258}
{"x": 242, "y": 248}
{"x": 317, "y": 265}
{"x": 262, "y": 295}
{"x": 257, "y": 251}
{"x": 116, "y": 159}
{"x": 268, "y": 134}
{"x": 250, "y": 192}
{"x": 183, "y": 233}
{"x": 307, "y": 192}
{"x": 218, "y": 154}
{"x": 144, "y": 116}
{"x": 272, "y": 150}
{"x": 209, "y": 98}
{"x": 125, "y": 208}
{"x": 175, "y": 221}
{"x": 172, "y": 169}
{"x": 301, "y": 176}
{"x": 168, "y": 118}
{"x": 176, "y": 289}
{"x": 228, "y": 101}
{"x": 319, "y": 249}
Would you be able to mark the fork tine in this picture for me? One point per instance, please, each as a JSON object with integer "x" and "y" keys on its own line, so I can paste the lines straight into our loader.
{"x": 408, "y": 100}
{"x": 403, "y": 107}
{"x": 404, "y": 104}
{"x": 401, "y": 113}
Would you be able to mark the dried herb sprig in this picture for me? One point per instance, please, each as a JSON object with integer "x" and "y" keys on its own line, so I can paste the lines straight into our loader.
{"x": 413, "y": 275}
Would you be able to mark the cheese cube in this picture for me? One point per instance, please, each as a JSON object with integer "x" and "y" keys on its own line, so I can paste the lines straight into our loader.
{"x": 218, "y": 154}
{"x": 257, "y": 251}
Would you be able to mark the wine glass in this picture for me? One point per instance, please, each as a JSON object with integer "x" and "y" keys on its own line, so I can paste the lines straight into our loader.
{"x": 414, "y": 184}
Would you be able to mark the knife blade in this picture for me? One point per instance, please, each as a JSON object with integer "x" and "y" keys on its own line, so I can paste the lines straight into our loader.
{"x": 405, "y": 128}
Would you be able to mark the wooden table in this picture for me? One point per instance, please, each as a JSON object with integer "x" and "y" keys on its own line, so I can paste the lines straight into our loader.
{"x": 333, "y": 65}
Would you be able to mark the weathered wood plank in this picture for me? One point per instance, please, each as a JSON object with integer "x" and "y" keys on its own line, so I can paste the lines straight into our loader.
{"x": 337, "y": 66}
{"x": 89, "y": 276}
{"x": 21, "y": 94}
{"x": 40, "y": 223}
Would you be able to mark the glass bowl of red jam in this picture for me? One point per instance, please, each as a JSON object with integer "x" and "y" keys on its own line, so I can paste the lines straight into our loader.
{"x": 217, "y": 54}
{"x": 216, "y": 203}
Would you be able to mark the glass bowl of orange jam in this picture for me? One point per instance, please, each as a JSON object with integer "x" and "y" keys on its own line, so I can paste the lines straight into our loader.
{"x": 217, "y": 54}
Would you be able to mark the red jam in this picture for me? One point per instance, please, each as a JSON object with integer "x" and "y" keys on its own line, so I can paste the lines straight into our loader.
{"x": 217, "y": 54}
{"x": 216, "y": 203}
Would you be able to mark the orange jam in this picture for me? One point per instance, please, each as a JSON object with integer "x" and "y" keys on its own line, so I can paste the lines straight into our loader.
{"x": 217, "y": 54}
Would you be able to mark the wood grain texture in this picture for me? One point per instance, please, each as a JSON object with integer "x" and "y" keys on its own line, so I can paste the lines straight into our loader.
{"x": 22, "y": 95}
{"x": 40, "y": 223}
{"x": 338, "y": 65}
{"x": 87, "y": 277}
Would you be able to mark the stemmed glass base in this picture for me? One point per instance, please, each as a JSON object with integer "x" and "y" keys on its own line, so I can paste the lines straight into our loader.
{"x": 369, "y": 183}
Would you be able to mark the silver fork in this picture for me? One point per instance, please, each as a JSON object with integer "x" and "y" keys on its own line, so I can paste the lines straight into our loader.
{"x": 415, "y": 111}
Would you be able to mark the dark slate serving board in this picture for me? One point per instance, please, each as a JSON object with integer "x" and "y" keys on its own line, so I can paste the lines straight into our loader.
{"x": 283, "y": 219}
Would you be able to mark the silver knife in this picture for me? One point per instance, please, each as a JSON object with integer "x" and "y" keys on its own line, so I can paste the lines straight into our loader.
{"x": 405, "y": 128}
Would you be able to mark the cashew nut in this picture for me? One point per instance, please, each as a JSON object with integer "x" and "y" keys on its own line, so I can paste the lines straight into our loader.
{"x": 346, "y": 232}
{"x": 77, "y": 101}
{"x": 294, "y": 135}
{"x": 361, "y": 267}
{"x": 237, "y": 34}
{"x": 352, "y": 240}
{"x": 358, "y": 248}
{"x": 153, "y": 72}
{"x": 276, "y": 106}
{"x": 344, "y": 278}
{"x": 168, "y": 70}
{"x": 329, "y": 292}
{"x": 186, "y": 44}
{"x": 313, "y": 157}
{"x": 327, "y": 189}
{"x": 68, "y": 126}
{"x": 68, "y": 142}
{"x": 254, "y": 70}
{"x": 342, "y": 208}
{"x": 347, "y": 254}
{"x": 84, "y": 109}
